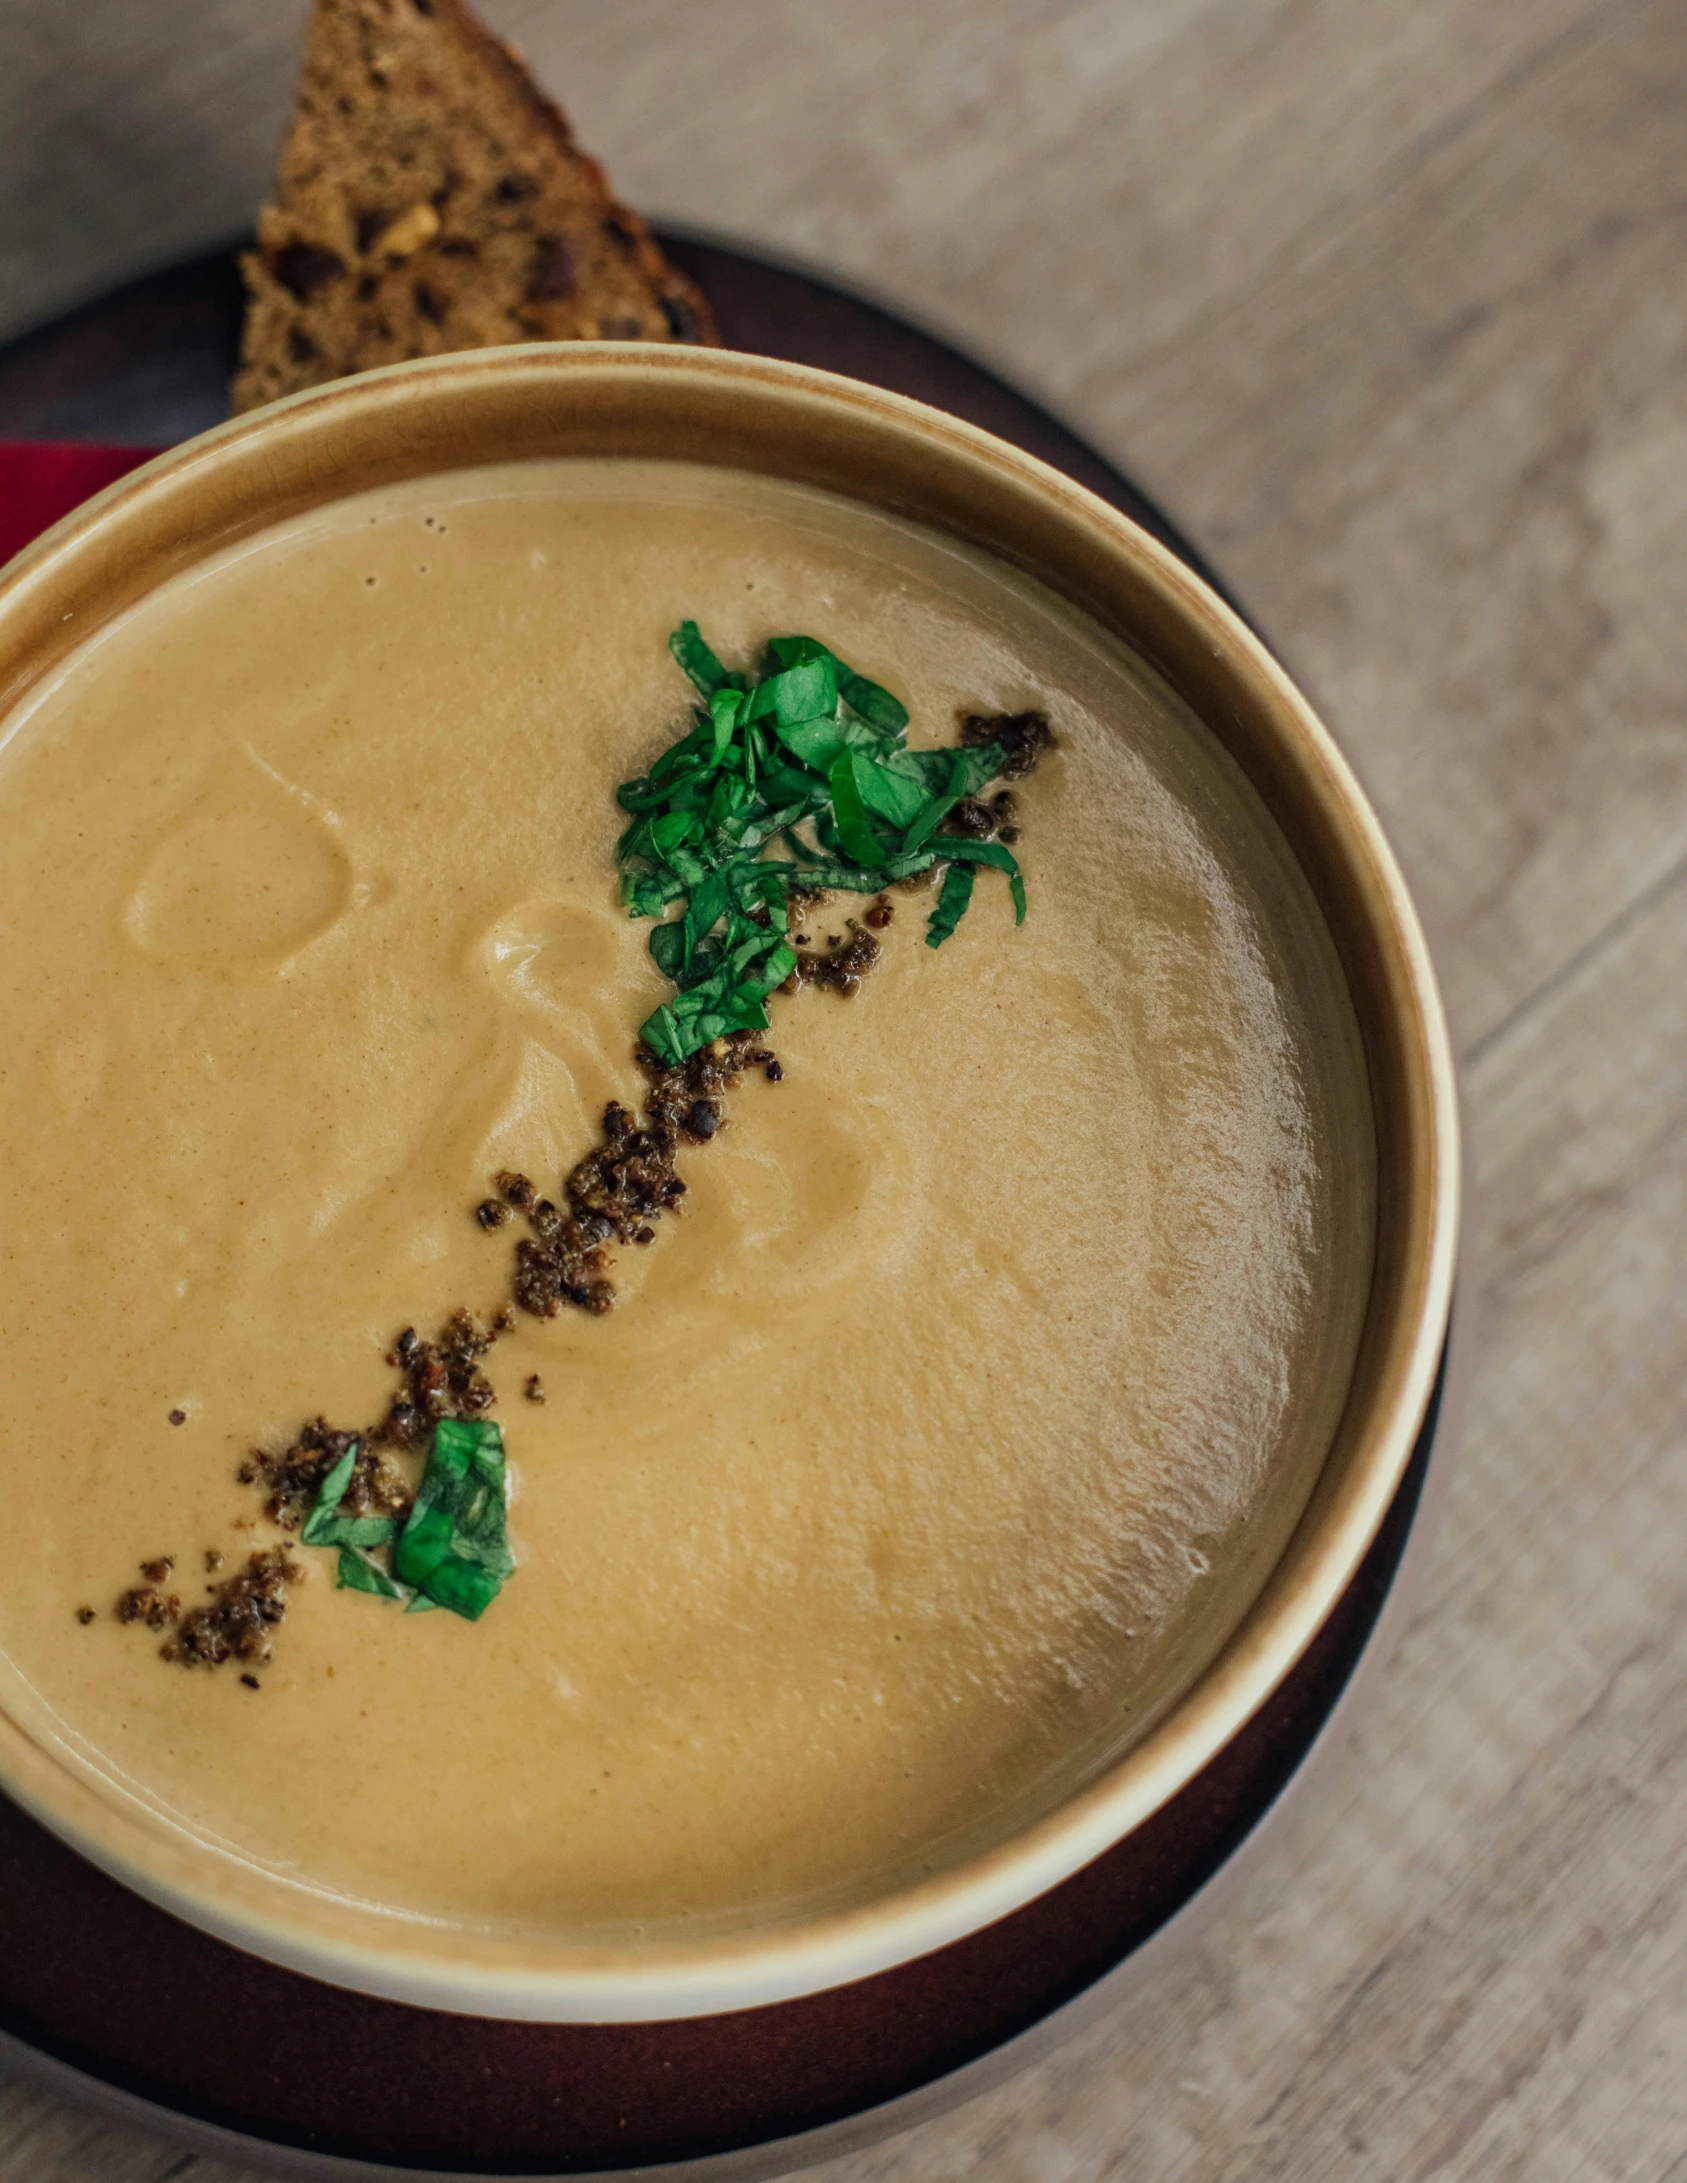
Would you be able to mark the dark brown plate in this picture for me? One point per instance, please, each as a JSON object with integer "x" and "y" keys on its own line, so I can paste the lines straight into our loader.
{"x": 140, "y": 2005}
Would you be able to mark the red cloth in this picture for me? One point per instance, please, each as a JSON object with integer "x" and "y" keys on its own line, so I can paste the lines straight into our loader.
{"x": 40, "y": 480}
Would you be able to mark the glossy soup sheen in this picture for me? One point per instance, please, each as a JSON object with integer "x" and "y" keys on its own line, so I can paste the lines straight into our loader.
{"x": 923, "y": 1460}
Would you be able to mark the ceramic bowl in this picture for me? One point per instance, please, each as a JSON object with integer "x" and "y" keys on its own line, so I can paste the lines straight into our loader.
{"x": 807, "y": 426}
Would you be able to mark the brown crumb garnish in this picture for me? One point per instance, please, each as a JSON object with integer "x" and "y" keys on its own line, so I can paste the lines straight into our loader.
{"x": 84, "y": 1615}
{"x": 1023, "y": 736}
{"x": 491, "y": 1212}
{"x": 975, "y": 820}
{"x": 517, "y": 1189}
{"x": 145, "y": 1603}
{"x": 251, "y": 1682}
{"x": 842, "y": 969}
{"x": 774, "y": 1071}
{"x": 178, "y": 1417}
{"x": 213, "y": 1560}
{"x": 880, "y": 914}
{"x": 624, "y": 1185}
{"x": 235, "y": 1623}
{"x": 442, "y": 1378}
{"x": 156, "y": 1571}
{"x": 534, "y": 1389}
{"x": 376, "y": 1486}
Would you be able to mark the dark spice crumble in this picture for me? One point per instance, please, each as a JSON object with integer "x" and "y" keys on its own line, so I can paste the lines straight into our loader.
{"x": 84, "y": 1615}
{"x": 442, "y": 1378}
{"x": 626, "y": 1182}
{"x": 700, "y": 1122}
{"x": 842, "y": 968}
{"x": 236, "y": 1621}
{"x": 251, "y": 1682}
{"x": 376, "y": 1488}
{"x": 1023, "y": 736}
{"x": 146, "y": 1603}
{"x": 979, "y": 820}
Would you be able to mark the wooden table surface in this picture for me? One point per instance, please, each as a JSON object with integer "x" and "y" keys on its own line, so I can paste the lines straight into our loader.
{"x": 1388, "y": 304}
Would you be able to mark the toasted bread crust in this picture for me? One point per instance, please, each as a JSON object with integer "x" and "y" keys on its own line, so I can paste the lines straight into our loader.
{"x": 431, "y": 198}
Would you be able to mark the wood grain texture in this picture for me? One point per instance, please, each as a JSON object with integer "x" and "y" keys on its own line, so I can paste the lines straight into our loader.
{"x": 1390, "y": 305}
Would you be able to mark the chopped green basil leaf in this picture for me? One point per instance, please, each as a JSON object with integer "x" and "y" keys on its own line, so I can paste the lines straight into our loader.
{"x": 806, "y": 691}
{"x": 798, "y": 651}
{"x": 888, "y": 790}
{"x": 454, "y": 1546}
{"x": 699, "y": 662}
{"x": 877, "y": 707}
{"x": 724, "y": 708}
{"x": 931, "y": 815}
{"x": 357, "y": 1573}
{"x": 815, "y": 742}
{"x": 854, "y": 832}
{"x": 329, "y": 1495}
{"x": 992, "y": 853}
{"x": 667, "y": 949}
{"x": 951, "y": 904}
{"x": 703, "y": 912}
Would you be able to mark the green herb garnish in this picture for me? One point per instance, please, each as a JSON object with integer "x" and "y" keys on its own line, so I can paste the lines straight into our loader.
{"x": 718, "y": 824}
{"x": 453, "y": 1547}
{"x": 452, "y": 1550}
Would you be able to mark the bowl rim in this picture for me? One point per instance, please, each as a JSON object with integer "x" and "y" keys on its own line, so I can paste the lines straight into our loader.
{"x": 82, "y": 561}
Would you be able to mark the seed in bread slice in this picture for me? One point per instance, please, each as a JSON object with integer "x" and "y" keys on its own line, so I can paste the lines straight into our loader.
{"x": 430, "y": 197}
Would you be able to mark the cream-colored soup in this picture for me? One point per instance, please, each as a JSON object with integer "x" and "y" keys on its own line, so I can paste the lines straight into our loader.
{"x": 922, "y": 1460}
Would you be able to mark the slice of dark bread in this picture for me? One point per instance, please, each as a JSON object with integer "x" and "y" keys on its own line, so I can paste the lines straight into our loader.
{"x": 431, "y": 197}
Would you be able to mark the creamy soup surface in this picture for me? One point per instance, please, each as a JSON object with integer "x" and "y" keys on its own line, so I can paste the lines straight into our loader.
{"x": 922, "y": 1460}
